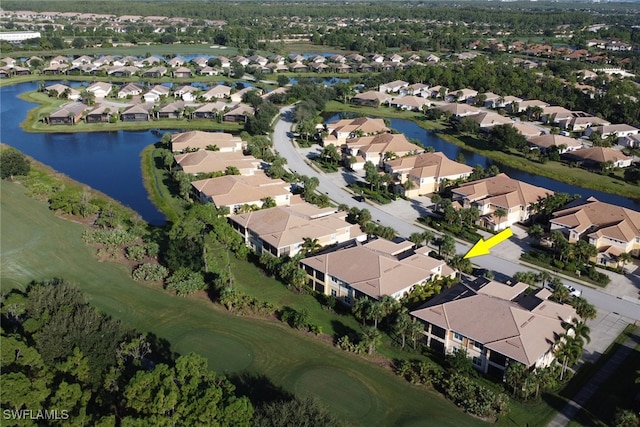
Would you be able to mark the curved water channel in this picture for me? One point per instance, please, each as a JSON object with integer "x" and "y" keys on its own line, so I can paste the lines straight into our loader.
{"x": 110, "y": 161}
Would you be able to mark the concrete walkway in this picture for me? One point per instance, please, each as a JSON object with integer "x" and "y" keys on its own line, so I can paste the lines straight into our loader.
{"x": 572, "y": 408}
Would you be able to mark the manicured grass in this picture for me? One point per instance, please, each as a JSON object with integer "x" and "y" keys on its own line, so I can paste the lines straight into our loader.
{"x": 36, "y": 246}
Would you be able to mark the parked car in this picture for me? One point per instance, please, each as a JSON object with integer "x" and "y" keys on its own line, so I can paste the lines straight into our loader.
{"x": 573, "y": 291}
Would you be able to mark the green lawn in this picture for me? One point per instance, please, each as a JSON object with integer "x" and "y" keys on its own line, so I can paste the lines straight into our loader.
{"x": 36, "y": 245}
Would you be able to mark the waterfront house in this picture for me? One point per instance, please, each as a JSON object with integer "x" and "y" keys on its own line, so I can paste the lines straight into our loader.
{"x": 371, "y": 98}
{"x": 210, "y": 110}
{"x": 100, "y": 89}
{"x": 69, "y": 114}
{"x": 200, "y": 140}
{"x": 341, "y": 130}
{"x": 207, "y": 161}
{"x": 281, "y": 231}
{"x": 156, "y": 93}
{"x": 182, "y": 73}
{"x": 239, "y": 113}
{"x": 217, "y": 92}
{"x": 186, "y": 92}
{"x": 459, "y": 110}
{"x": 599, "y": 158}
{"x": 395, "y": 86}
{"x": 561, "y": 142}
{"x": 136, "y": 113}
{"x": 234, "y": 191}
{"x": 427, "y": 172}
{"x": 58, "y": 90}
{"x": 100, "y": 114}
{"x": 376, "y": 148}
{"x": 489, "y": 119}
{"x": 612, "y": 229}
{"x": 155, "y": 72}
{"x": 515, "y": 198}
{"x": 372, "y": 270}
{"x": 173, "y": 110}
{"x": 495, "y": 324}
{"x": 409, "y": 102}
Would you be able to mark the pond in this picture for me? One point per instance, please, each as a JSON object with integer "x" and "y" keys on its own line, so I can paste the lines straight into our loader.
{"x": 107, "y": 161}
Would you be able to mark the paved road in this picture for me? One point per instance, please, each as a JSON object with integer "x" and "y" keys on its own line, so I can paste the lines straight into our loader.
{"x": 394, "y": 215}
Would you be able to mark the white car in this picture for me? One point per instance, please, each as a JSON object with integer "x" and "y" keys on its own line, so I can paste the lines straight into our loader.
{"x": 573, "y": 291}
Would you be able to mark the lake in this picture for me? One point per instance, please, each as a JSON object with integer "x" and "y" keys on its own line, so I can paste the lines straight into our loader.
{"x": 107, "y": 161}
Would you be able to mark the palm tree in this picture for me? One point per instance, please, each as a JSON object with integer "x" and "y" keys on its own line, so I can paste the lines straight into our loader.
{"x": 581, "y": 332}
{"x": 568, "y": 352}
{"x": 371, "y": 338}
{"x": 436, "y": 199}
{"x": 624, "y": 258}
{"x": 310, "y": 245}
{"x": 499, "y": 213}
{"x": 403, "y": 325}
{"x": 361, "y": 308}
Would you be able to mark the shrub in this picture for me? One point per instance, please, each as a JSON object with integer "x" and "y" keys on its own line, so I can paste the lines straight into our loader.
{"x": 150, "y": 272}
{"x": 185, "y": 282}
{"x": 12, "y": 163}
{"x": 152, "y": 249}
{"x": 115, "y": 237}
{"x": 135, "y": 253}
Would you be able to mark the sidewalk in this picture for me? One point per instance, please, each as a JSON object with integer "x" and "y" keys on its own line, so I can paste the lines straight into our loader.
{"x": 572, "y": 408}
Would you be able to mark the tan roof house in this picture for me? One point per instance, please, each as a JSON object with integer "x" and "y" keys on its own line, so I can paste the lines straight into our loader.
{"x": 200, "y": 140}
{"x": 459, "y": 110}
{"x": 341, "y": 130}
{"x": 526, "y": 130}
{"x": 58, "y": 89}
{"x": 516, "y": 198}
{"x": 495, "y": 326}
{"x": 620, "y": 131}
{"x": 234, "y": 191}
{"x": 409, "y": 102}
{"x": 374, "y": 148}
{"x": 427, "y": 171}
{"x": 217, "y": 92}
{"x": 100, "y": 89}
{"x": 371, "y": 98}
{"x": 358, "y": 271}
{"x": 600, "y": 157}
{"x": 610, "y": 228}
{"x": 394, "y": 86}
{"x": 489, "y": 120}
{"x": 207, "y": 161}
{"x": 281, "y": 231}
{"x": 564, "y": 143}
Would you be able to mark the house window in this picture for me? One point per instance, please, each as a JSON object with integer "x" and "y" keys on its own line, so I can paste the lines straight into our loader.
{"x": 478, "y": 346}
{"x": 347, "y": 300}
{"x": 457, "y": 337}
{"x": 334, "y": 293}
{"x": 477, "y": 361}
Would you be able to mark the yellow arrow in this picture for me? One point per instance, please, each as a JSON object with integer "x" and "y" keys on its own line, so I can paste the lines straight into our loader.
{"x": 482, "y": 246}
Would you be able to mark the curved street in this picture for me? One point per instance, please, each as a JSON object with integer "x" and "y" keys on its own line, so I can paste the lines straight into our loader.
{"x": 614, "y": 301}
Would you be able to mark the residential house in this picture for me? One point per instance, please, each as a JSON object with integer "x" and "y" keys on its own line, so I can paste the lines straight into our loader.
{"x": 459, "y": 110}
{"x": 298, "y": 67}
{"x": 240, "y": 60}
{"x": 8, "y": 62}
{"x": 234, "y": 191}
{"x": 619, "y": 131}
{"x": 55, "y": 69}
{"x": 409, "y": 102}
{"x": 57, "y": 90}
{"x": 155, "y": 72}
{"x": 199, "y": 140}
{"x": 555, "y": 115}
{"x": 523, "y": 105}
{"x": 612, "y": 229}
{"x": 5, "y": 72}
{"x": 462, "y": 95}
{"x": 239, "y": 113}
{"x": 427, "y": 172}
{"x": 488, "y": 120}
{"x": 276, "y": 91}
{"x": 341, "y": 130}
{"x": 281, "y": 231}
{"x": 393, "y": 87}
{"x": 207, "y": 161}
{"x": 175, "y": 62}
{"x": 82, "y": 60}
{"x": 561, "y": 142}
{"x": 124, "y": 71}
{"x": 100, "y": 114}
{"x": 136, "y": 113}
{"x": 371, "y": 98}
{"x": 69, "y": 114}
{"x": 59, "y": 60}
{"x": 210, "y": 110}
{"x": 186, "y": 92}
{"x": 182, "y": 73}
{"x": 217, "y": 92}
{"x": 208, "y": 71}
{"x": 152, "y": 61}
{"x": 527, "y": 130}
{"x": 100, "y": 89}
{"x": 599, "y": 158}
{"x": 372, "y": 270}
{"x": 418, "y": 89}
{"x": 129, "y": 90}
{"x": 515, "y": 198}
{"x": 237, "y": 96}
{"x": 156, "y": 93}
{"x": 495, "y": 324}
{"x": 173, "y": 110}
{"x": 376, "y": 148}
{"x": 258, "y": 60}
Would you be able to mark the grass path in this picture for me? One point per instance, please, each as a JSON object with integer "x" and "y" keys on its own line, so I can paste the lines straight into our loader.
{"x": 36, "y": 245}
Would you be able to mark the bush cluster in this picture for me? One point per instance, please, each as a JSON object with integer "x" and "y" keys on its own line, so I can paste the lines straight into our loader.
{"x": 109, "y": 237}
{"x": 150, "y": 272}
